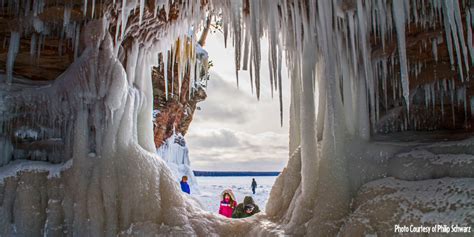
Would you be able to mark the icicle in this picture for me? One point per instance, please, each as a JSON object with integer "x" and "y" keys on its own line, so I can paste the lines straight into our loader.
{"x": 142, "y": 9}
{"x": 84, "y": 7}
{"x": 255, "y": 33}
{"x": 76, "y": 41}
{"x": 435, "y": 49}
{"x": 33, "y": 45}
{"x": 280, "y": 94}
{"x": 251, "y": 73}
{"x": 67, "y": 15}
{"x": 366, "y": 59}
{"x": 352, "y": 33}
{"x": 400, "y": 20}
{"x": 472, "y": 106}
{"x": 453, "y": 26}
{"x": 469, "y": 35}
{"x": 155, "y": 11}
{"x": 124, "y": 14}
{"x": 93, "y": 9}
{"x": 451, "y": 95}
{"x": 460, "y": 30}
{"x": 246, "y": 51}
{"x": 12, "y": 52}
{"x": 165, "y": 71}
{"x": 236, "y": 20}
{"x": 226, "y": 33}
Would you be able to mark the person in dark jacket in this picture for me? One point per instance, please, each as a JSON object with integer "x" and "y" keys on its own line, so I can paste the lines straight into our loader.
{"x": 254, "y": 186}
{"x": 185, "y": 185}
{"x": 246, "y": 209}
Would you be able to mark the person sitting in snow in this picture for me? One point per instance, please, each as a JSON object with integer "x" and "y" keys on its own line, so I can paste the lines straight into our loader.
{"x": 246, "y": 209}
{"x": 185, "y": 185}
{"x": 228, "y": 203}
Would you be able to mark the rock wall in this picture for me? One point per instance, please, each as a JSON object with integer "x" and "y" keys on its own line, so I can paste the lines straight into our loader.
{"x": 173, "y": 111}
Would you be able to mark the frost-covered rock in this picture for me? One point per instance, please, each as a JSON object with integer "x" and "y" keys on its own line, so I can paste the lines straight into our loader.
{"x": 384, "y": 203}
{"x": 422, "y": 165}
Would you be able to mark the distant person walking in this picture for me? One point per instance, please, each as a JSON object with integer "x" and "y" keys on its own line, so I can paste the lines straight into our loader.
{"x": 228, "y": 203}
{"x": 254, "y": 186}
{"x": 185, "y": 185}
{"x": 246, "y": 209}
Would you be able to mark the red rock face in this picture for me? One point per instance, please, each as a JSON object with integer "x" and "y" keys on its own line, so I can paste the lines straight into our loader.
{"x": 176, "y": 112}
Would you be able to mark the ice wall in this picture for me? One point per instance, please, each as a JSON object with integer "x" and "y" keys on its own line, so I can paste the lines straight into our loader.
{"x": 107, "y": 179}
{"x": 175, "y": 153}
{"x": 328, "y": 47}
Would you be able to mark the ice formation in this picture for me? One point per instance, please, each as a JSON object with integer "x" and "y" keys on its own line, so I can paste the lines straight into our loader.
{"x": 98, "y": 112}
{"x": 175, "y": 153}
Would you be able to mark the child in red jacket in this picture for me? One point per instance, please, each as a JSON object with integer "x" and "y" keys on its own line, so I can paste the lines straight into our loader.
{"x": 228, "y": 203}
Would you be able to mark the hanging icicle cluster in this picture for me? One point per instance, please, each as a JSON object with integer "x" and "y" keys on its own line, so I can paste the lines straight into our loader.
{"x": 365, "y": 30}
{"x": 365, "y": 34}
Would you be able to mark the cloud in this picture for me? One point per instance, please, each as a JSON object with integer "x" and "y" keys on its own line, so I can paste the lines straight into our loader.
{"x": 217, "y": 138}
{"x": 224, "y": 149}
{"x": 225, "y": 102}
{"x": 233, "y": 130}
{"x": 217, "y": 112}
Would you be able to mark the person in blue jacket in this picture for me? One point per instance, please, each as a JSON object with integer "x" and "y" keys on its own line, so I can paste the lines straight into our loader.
{"x": 185, "y": 185}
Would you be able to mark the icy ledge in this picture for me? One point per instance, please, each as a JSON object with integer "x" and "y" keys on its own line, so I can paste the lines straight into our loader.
{"x": 384, "y": 203}
{"x": 13, "y": 169}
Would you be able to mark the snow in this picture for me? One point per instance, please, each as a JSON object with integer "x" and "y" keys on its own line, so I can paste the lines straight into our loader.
{"x": 212, "y": 187}
{"x": 406, "y": 166}
{"x": 410, "y": 203}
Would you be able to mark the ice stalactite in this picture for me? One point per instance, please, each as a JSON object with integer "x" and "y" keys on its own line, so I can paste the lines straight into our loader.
{"x": 470, "y": 44}
{"x": 12, "y": 52}
{"x": 399, "y": 10}
{"x": 255, "y": 33}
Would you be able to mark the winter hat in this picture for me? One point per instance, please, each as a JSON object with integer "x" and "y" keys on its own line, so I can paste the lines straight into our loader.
{"x": 248, "y": 200}
{"x": 228, "y": 191}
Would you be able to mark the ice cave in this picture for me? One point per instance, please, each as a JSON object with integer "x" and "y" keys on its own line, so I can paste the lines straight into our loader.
{"x": 96, "y": 97}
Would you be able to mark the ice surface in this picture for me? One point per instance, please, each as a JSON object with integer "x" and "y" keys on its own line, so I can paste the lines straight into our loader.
{"x": 212, "y": 187}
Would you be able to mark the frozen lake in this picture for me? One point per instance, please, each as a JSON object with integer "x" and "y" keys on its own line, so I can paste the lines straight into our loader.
{"x": 211, "y": 188}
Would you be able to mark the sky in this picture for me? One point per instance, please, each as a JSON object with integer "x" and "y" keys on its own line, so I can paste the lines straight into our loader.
{"x": 233, "y": 131}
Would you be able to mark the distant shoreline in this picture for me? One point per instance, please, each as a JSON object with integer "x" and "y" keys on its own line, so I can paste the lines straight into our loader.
{"x": 235, "y": 173}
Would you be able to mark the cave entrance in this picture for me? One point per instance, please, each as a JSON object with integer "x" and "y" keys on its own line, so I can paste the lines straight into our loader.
{"x": 222, "y": 131}
{"x": 124, "y": 177}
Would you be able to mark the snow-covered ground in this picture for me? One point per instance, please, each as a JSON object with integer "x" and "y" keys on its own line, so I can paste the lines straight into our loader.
{"x": 211, "y": 188}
